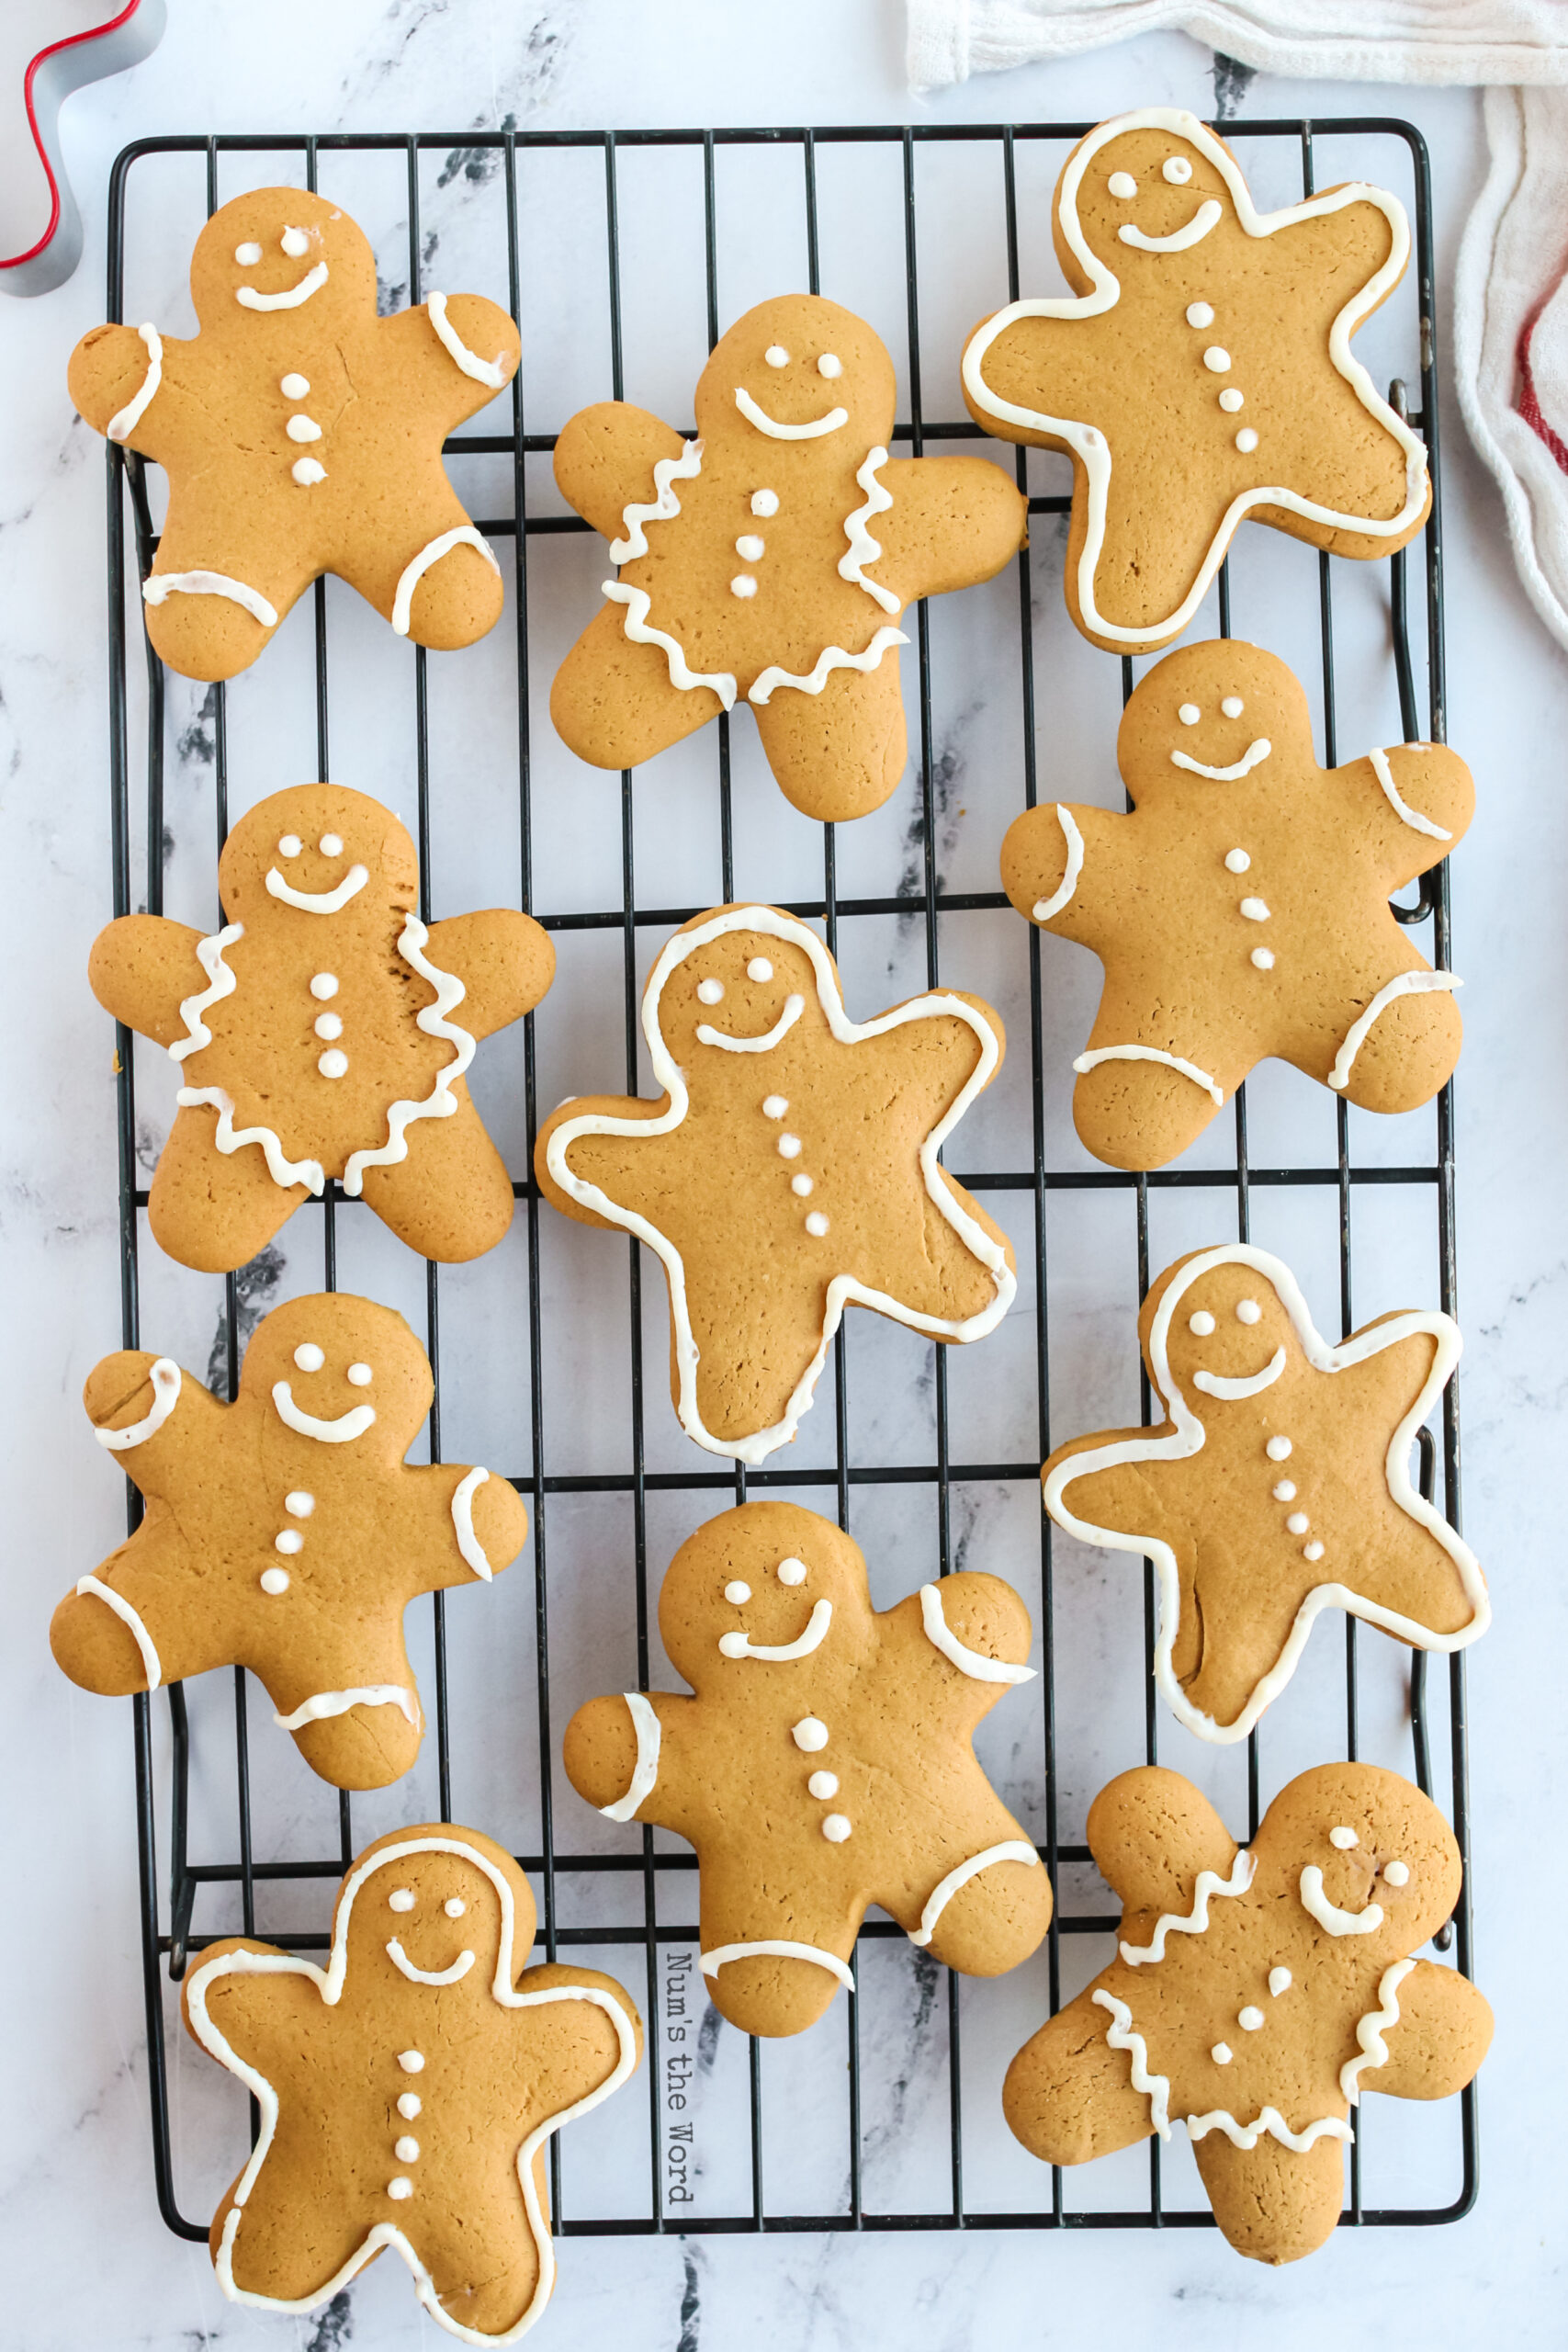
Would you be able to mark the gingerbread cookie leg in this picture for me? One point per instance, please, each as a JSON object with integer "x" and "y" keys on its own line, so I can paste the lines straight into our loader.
{"x": 210, "y": 1209}
{"x": 1273, "y": 2204}
{"x": 771, "y": 1966}
{"x": 211, "y": 605}
{"x": 368, "y": 1745}
{"x": 612, "y": 702}
{"x": 437, "y": 582}
{"x": 1407, "y": 1049}
{"x": 1138, "y": 1106}
{"x": 838, "y": 754}
{"x": 994, "y": 1917}
{"x": 451, "y": 1197}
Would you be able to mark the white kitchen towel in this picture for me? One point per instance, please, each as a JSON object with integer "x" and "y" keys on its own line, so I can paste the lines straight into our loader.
{"x": 1354, "y": 41}
{"x": 1511, "y": 334}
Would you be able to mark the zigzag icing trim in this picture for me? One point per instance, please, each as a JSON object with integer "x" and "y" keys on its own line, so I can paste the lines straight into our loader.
{"x": 665, "y": 505}
{"x": 638, "y": 603}
{"x": 1369, "y": 2030}
{"x": 230, "y": 1138}
{"x": 440, "y": 1103}
{"x": 1196, "y": 1921}
{"x": 864, "y": 548}
{"x": 832, "y": 656}
{"x": 1118, "y": 2033}
{"x": 220, "y": 983}
{"x": 1270, "y": 2122}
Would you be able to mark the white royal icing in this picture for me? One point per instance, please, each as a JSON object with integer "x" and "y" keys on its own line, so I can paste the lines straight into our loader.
{"x": 165, "y": 1375}
{"x": 707, "y": 1035}
{"x": 1254, "y": 754}
{"x": 151, "y": 1663}
{"x": 463, "y": 535}
{"x": 1329, "y": 1915}
{"x": 123, "y": 423}
{"x": 453, "y": 1975}
{"x": 777, "y": 432}
{"x": 484, "y": 371}
{"x": 843, "y": 1288}
{"x": 1118, "y": 2033}
{"x": 1208, "y": 216}
{"x": 1011, "y": 1849}
{"x": 311, "y": 903}
{"x": 665, "y": 505}
{"x": 1208, "y": 1884}
{"x": 329, "y": 1982}
{"x": 864, "y": 548}
{"x": 739, "y": 1644}
{"x": 338, "y": 1702}
{"x": 831, "y": 658}
{"x": 1270, "y": 2122}
{"x": 469, "y": 1544}
{"x": 1084, "y": 1062}
{"x": 440, "y": 1103}
{"x": 291, "y": 296}
{"x": 973, "y": 1663}
{"x": 639, "y": 603}
{"x": 1369, "y": 2030}
{"x": 1089, "y": 447}
{"x": 228, "y": 1138}
{"x": 160, "y": 585}
{"x": 1253, "y": 1383}
{"x": 1420, "y": 983}
{"x": 1045, "y": 908}
{"x": 342, "y": 1430}
{"x": 1401, "y": 807}
{"x": 644, "y": 1772}
{"x": 722, "y": 1954}
{"x": 1187, "y": 1438}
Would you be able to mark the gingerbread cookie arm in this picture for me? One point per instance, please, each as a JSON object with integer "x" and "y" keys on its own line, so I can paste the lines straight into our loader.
{"x": 1020, "y": 375}
{"x": 504, "y": 959}
{"x": 953, "y": 523}
{"x": 1063, "y": 867}
{"x": 1425, "y": 797}
{"x": 583, "y": 2035}
{"x": 971, "y": 1632}
{"x": 151, "y": 1416}
{"x": 1068, "y": 2095}
{"x": 1444, "y": 2032}
{"x": 592, "y": 1157}
{"x": 622, "y": 1756}
{"x": 604, "y": 460}
{"x": 478, "y": 1524}
{"x": 142, "y": 968}
{"x": 113, "y": 378}
{"x": 468, "y": 347}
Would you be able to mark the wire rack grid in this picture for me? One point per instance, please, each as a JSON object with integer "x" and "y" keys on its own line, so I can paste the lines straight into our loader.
{"x": 1413, "y": 640}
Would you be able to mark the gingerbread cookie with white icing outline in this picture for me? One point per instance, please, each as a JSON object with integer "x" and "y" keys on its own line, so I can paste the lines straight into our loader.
{"x": 301, "y": 434}
{"x": 285, "y": 1532}
{"x": 770, "y": 559}
{"x": 1258, "y": 1993}
{"x": 1241, "y": 909}
{"x": 1277, "y": 1487}
{"x": 792, "y": 1140}
{"x": 409, "y": 2089}
{"x": 314, "y": 1032}
{"x": 1200, "y": 373}
{"x": 824, "y": 1763}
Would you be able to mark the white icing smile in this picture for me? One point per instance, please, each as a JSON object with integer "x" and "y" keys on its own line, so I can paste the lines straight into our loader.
{"x": 1238, "y": 768}
{"x": 1329, "y": 1915}
{"x": 319, "y": 902}
{"x": 1206, "y": 217}
{"x": 452, "y": 1975}
{"x": 1250, "y": 1384}
{"x": 769, "y": 424}
{"x": 816, "y": 1633}
{"x": 291, "y": 296}
{"x": 341, "y": 1432}
{"x": 793, "y": 1007}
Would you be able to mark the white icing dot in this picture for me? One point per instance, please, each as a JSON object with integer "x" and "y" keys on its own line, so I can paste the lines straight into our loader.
{"x": 360, "y": 1376}
{"x": 764, "y": 502}
{"x": 299, "y": 1505}
{"x": 1298, "y": 1523}
{"x": 1236, "y": 861}
{"x": 743, "y": 586}
{"x": 275, "y": 1581}
{"x": 1279, "y": 1981}
{"x": 789, "y": 1146}
{"x": 1216, "y": 358}
{"x": 1277, "y": 1448}
{"x": 749, "y": 548}
{"x": 823, "y": 1784}
{"x": 792, "y": 1571}
{"x": 709, "y": 991}
{"x": 399, "y": 2187}
{"x": 331, "y": 844}
{"x": 293, "y": 388}
{"x": 409, "y": 2105}
{"x": 303, "y": 428}
{"x": 333, "y": 1063}
{"x": 1396, "y": 1873}
{"x": 327, "y": 1026}
{"x": 1200, "y": 314}
{"x": 836, "y": 1828}
{"x": 776, "y": 355}
{"x": 774, "y": 1106}
{"x": 1122, "y": 185}
{"x": 454, "y": 1906}
{"x": 1189, "y": 714}
{"x": 1221, "y": 2053}
{"x": 406, "y": 2150}
{"x": 1248, "y": 1311}
{"x": 247, "y": 255}
{"x": 324, "y": 985}
{"x": 1231, "y": 400}
{"x": 307, "y": 472}
{"x": 758, "y": 968}
{"x": 732, "y": 1644}
{"x": 1233, "y": 706}
{"x": 1176, "y": 170}
{"x": 803, "y": 1185}
{"x": 309, "y": 1357}
{"x": 810, "y": 1734}
{"x": 412, "y": 2061}
{"x": 817, "y": 1225}
{"x": 1312, "y": 1551}
{"x": 289, "y": 1540}
{"x": 830, "y": 365}
{"x": 1203, "y": 1323}
{"x": 1250, "y": 2019}
{"x": 736, "y": 1592}
{"x": 400, "y": 1900}
{"x": 289, "y": 845}
{"x": 1343, "y": 1839}
{"x": 1254, "y": 909}
{"x": 295, "y": 243}
{"x": 1246, "y": 440}
{"x": 1285, "y": 1492}
{"x": 1263, "y": 959}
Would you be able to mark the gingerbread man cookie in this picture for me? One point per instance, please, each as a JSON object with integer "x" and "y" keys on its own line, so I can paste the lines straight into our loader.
{"x": 285, "y": 1532}
{"x": 771, "y": 558}
{"x": 407, "y": 2089}
{"x": 1258, "y": 1993}
{"x": 1278, "y": 1485}
{"x": 824, "y": 1764}
{"x": 1241, "y": 909}
{"x": 315, "y": 1035}
{"x": 1201, "y": 372}
{"x": 301, "y": 434}
{"x": 789, "y": 1170}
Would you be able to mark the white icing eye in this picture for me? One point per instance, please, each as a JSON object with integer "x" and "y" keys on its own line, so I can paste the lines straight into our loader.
{"x": 737, "y": 1593}
{"x": 758, "y": 968}
{"x": 823, "y": 1785}
{"x": 402, "y": 1900}
{"x": 289, "y": 845}
{"x": 327, "y": 1026}
{"x": 293, "y": 388}
{"x": 1246, "y": 440}
{"x": 454, "y": 1906}
{"x": 1203, "y": 1323}
{"x": 295, "y": 243}
{"x": 1233, "y": 706}
{"x": 333, "y": 1063}
{"x": 1285, "y": 1492}
{"x": 274, "y": 1581}
{"x": 360, "y": 1376}
{"x": 299, "y": 1505}
{"x": 1279, "y": 1449}
{"x": 802, "y": 1185}
{"x": 776, "y": 355}
{"x": 1189, "y": 714}
{"x": 710, "y": 991}
{"x": 1344, "y": 1839}
{"x": 323, "y": 986}
{"x": 764, "y": 502}
{"x": 1236, "y": 861}
{"x": 1200, "y": 314}
{"x": 1176, "y": 170}
{"x": 1122, "y": 186}
{"x": 331, "y": 844}
{"x": 774, "y": 1106}
{"x": 1217, "y": 359}
{"x": 830, "y": 365}
{"x": 810, "y": 1734}
{"x": 247, "y": 255}
{"x": 792, "y": 1572}
{"x": 1248, "y": 1311}
{"x": 1231, "y": 400}
{"x": 749, "y": 547}
{"x": 1396, "y": 1873}
{"x": 309, "y": 1357}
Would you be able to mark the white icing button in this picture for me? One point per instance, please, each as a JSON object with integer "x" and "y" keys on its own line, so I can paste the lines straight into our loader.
{"x": 1312, "y": 1551}
{"x": 307, "y": 472}
{"x": 743, "y": 586}
{"x": 764, "y": 502}
{"x": 823, "y": 1785}
{"x": 758, "y": 968}
{"x": 1248, "y": 1311}
{"x": 817, "y": 1225}
{"x": 406, "y": 2150}
{"x": 1231, "y": 400}
{"x": 1250, "y": 2019}
{"x": 1236, "y": 861}
{"x": 324, "y": 985}
{"x": 1221, "y": 2053}
{"x": 810, "y": 1734}
{"x": 1232, "y": 705}
{"x": 1344, "y": 1839}
{"x": 412, "y": 2061}
{"x": 733, "y": 1645}
{"x": 1263, "y": 959}
{"x": 1122, "y": 185}
{"x": 275, "y": 1581}
{"x": 399, "y": 2187}
{"x": 1298, "y": 1523}
{"x": 804, "y": 1185}
{"x": 1203, "y": 1323}
{"x": 331, "y": 844}
{"x": 327, "y": 1026}
{"x": 710, "y": 991}
{"x": 836, "y": 1828}
{"x": 332, "y": 1063}
{"x": 1277, "y": 1448}
{"x": 789, "y": 1146}
{"x": 774, "y": 1106}
{"x": 1217, "y": 358}
{"x": 1246, "y": 440}
{"x": 736, "y": 1592}
{"x": 1200, "y": 314}
{"x": 309, "y": 1357}
{"x": 295, "y": 243}
{"x": 1255, "y": 910}
{"x": 1396, "y": 1873}
{"x": 360, "y": 1376}
{"x": 299, "y": 1505}
{"x": 749, "y": 548}
{"x": 1189, "y": 714}
{"x": 792, "y": 1571}
{"x": 1176, "y": 170}
{"x": 1279, "y": 1981}
{"x": 288, "y": 1539}
{"x": 303, "y": 428}
{"x": 776, "y": 355}
{"x": 293, "y": 388}
{"x": 247, "y": 255}
{"x": 1285, "y": 1492}
{"x": 289, "y": 845}
{"x": 830, "y": 365}
{"x": 409, "y": 2106}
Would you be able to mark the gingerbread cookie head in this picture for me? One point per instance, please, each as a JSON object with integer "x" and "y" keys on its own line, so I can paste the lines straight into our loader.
{"x": 434, "y": 1910}
{"x": 318, "y": 848}
{"x": 797, "y": 373}
{"x": 341, "y": 1372}
{"x": 1148, "y": 190}
{"x": 736, "y": 991}
{"x": 764, "y": 1584}
{"x": 266, "y": 256}
{"x": 1177, "y": 726}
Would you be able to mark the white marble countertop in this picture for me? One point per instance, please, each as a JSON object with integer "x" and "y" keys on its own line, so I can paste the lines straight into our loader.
{"x": 92, "y": 2263}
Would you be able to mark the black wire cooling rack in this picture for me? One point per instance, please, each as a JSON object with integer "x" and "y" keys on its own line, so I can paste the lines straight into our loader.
{"x": 1412, "y": 621}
